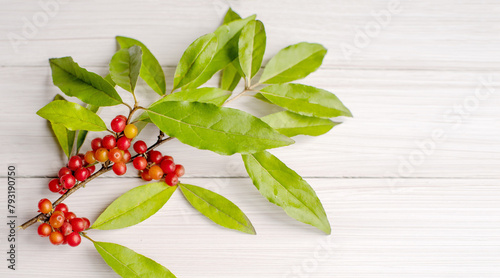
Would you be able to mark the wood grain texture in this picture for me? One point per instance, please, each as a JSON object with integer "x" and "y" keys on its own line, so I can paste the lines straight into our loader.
{"x": 403, "y": 202}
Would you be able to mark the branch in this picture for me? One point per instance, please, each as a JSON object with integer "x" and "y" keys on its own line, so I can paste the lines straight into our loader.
{"x": 105, "y": 168}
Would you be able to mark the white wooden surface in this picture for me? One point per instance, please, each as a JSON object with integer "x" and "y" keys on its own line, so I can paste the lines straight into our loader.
{"x": 401, "y": 203}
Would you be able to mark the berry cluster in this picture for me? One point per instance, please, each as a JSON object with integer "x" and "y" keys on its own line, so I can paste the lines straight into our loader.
{"x": 154, "y": 166}
{"x": 78, "y": 169}
{"x": 63, "y": 226}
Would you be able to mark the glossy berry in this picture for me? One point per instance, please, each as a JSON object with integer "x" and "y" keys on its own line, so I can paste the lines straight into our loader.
{"x": 56, "y": 238}
{"x": 145, "y": 175}
{"x": 118, "y": 123}
{"x": 91, "y": 169}
{"x": 140, "y": 147}
{"x": 62, "y": 207}
{"x": 130, "y": 131}
{"x": 96, "y": 143}
{"x": 115, "y": 155}
{"x": 54, "y": 185}
{"x": 171, "y": 179}
{"x": 123, "y": 143}
{"x": 82, "y": 174}
{"x": 155, "y": 157}
{"x": 64, "y": 171}
{"x": 78, "y": 224}
{"x": 57, "y": 219}
{"x": 140, "y": 163}
{"x": 44, "y": 206}
{"x": 66, "y": 228}
{"x": 101, "y": 155}
{"x": 75, "y": 162}
{"x": 155, "y": 172}
{"x": 63, "y": 191}
{"x": 89, "y": 157}
{"x": 108, "y": 142}
{"x": 68, "y": 181}
{"x": 44, "y": 230}
{"x": 70, "y": 215}
{"x": 119, "y": 168}
{"x": 179, "y": 170}
{"x": 167, "y": 157}
{"x": 74, "y": 239}
{"x": 168, "y": 166}
{"x": 126, "y": 156}
{"x": 87, "y": 222}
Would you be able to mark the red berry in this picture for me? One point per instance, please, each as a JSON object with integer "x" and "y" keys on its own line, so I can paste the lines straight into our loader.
{"x": 101, "y": 155}
{"x": 123, "y": 143}
{"x": 82, "y": 174}
{"x": 70, "y": 215}
{"x": 68, "y": 181}
{"x": 56, "y": 238}
{"x": 140, "y": 147}
{"x": 66, "y": 228}
{"x": 179, "y": 170}
{"x": 108, "y": 142}
{"x": 44, "y": 230}
{"x": 74, "y": 239}
{"x": 45, "y": 206}
{"x": 63, "y": 191}
{"x": 91, "y": 169}
{"x": 140, "y": 163}
{"x": 155, "y": 172}
{"x": 119, "y": 168}
{"x": 118, "y": 123}
{"x": 87, "y": 222}
{"x": 96, "y": 143}
{"x": 171, "y": 179}
{"x": 155, "y": 157}
{"x": 168, "y": 166}
{"x": 126, "y": 156}
{"x": 75, "y": 162}
{"x": 145, "y": 175}
{"x": 57, "y": 219}
{"x": 54, "y": 185}
{"x": 64, "y": 171}
{"x": 62, "y": 208}
{"x": 115, "y": 155}
{"x": 167, "y": 157}
{"x": 78, "y": 224}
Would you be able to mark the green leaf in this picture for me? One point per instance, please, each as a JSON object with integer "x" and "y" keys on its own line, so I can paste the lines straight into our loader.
{"x": 77, "y": 82}
{"x": 252, "y": 44}
{"x": 72, "y": 116}
{"x": 217, "y": 208}
{"x": 230, "y": 77}
{"x": 227, "y": 49}
{"x": 209, "y": 127}
{"x": 195, "y": 60}
{"x": 128, "y": 263}
{"x": 151, "y": 71}
{"x": 259, "y": 96}
{"x": 291, "y": 124}
{"x": 280, "y": 185}
{"x": 293, "y": 62}
{"x": 65, "y": 137}
{"x": 82, "y": 134}
{"x": 125, "y": 66}
{"x": 134, "y": 206}
{"x": 231, "y": 16}
{"x": 306, "y": 100}
{"x": 110, "y": 81}
{"x": 206, "y": 95}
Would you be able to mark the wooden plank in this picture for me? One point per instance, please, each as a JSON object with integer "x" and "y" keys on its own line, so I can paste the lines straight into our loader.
{"x": 396, "y": 114}
{"x": 420, "y": 228}
{"x": 368, "y": 34}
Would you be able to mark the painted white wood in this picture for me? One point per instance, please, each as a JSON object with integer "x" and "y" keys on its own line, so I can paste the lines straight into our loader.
{"x": 401, "y": 203}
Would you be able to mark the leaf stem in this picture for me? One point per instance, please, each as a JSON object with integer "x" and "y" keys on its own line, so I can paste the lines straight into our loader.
{"x": 87, "y": 237}
{"x": 236, "y": 97}
{"x": 129, "y": 107}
